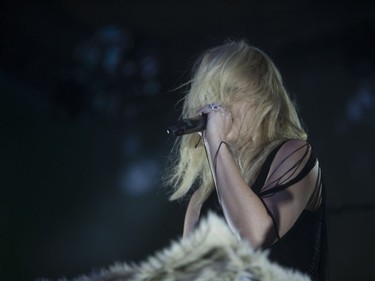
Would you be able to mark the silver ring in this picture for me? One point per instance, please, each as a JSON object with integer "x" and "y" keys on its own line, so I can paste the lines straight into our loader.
{"x": 214, "y": 106}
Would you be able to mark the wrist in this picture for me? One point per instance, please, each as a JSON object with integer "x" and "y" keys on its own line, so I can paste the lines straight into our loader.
{"x": 214, "y": 140}
{"x": 216, "y": 147}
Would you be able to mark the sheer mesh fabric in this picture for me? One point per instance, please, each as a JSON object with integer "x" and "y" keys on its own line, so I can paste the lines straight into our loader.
{"x": 289, "y": 174}
{"x": 289, "y": 183}
{"x": 291, "y": 188}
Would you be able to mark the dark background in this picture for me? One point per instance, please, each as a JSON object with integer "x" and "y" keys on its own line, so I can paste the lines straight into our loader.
{"x": 87, "y": 90}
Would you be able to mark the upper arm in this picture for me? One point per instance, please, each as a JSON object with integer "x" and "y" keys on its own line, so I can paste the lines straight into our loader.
{"x": 293, "y": 184}
{"x": 192, "y": 213}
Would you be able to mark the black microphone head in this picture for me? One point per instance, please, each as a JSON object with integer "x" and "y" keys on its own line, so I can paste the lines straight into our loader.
{"x": 175, "y": 130}
{"x": 188, "y": 125}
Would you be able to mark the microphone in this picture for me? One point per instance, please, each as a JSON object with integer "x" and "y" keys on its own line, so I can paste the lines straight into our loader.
{"x": 188, "y": 125}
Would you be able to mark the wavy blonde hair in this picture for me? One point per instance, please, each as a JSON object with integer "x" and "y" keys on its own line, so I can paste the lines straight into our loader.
{"x": 235, "y": 72}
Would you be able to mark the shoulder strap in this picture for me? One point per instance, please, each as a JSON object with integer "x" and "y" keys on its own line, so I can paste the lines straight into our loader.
{"x": 261, "y": 179}
{"x": 306, "y": 169}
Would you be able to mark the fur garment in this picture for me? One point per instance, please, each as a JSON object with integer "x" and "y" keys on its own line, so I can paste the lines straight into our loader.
{"x": 211, "y": 253}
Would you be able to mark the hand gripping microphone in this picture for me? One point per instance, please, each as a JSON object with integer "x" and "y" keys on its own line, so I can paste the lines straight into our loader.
{"x": 188, "y": 125}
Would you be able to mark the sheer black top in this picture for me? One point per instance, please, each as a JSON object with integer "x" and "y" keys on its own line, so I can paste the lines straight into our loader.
{"x": 304, "y": 246}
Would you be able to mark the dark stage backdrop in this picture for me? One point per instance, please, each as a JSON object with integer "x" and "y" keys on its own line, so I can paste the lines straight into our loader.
{"x": 87, "y": 89}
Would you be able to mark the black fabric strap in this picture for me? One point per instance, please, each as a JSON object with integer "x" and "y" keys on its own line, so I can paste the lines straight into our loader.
{"x": 260, "y": 180}
{"x": 305, "y": 171}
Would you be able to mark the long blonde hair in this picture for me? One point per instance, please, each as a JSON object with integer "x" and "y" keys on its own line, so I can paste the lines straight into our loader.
{"x": 235, "y": 72}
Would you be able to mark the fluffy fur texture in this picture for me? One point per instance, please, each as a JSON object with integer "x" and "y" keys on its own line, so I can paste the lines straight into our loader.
{"x": 209, "y": 253}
